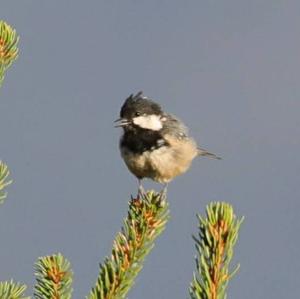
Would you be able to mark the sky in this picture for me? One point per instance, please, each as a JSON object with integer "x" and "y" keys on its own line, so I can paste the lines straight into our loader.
{"x": 230, "y": 69}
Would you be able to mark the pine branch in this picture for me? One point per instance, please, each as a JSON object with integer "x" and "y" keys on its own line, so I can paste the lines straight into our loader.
{"x": 146, "y": 220}
{"x": 4, "y": 181}
{"x": 8, "y": 47}
{"x": 12, "y": 290}
{"x": 218, "y": 233}
{"x": 54, "y": 278}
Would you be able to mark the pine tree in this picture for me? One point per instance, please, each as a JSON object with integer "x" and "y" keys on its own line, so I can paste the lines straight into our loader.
{"x": 145, "y": 221}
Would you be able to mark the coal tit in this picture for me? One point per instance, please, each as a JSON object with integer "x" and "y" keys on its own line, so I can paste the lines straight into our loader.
{"x": 155, "y": 144}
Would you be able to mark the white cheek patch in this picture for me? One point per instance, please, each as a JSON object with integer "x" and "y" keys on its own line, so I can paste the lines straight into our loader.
{"x": 150, "y": 122}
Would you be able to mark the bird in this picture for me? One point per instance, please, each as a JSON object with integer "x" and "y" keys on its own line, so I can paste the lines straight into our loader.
{"x": 155, "y": 144}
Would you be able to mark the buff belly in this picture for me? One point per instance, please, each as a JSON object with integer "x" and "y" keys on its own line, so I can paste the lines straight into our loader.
{"x": 164, "y": 163}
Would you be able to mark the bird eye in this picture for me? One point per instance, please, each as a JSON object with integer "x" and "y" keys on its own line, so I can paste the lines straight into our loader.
{"x": 137, "y": 114}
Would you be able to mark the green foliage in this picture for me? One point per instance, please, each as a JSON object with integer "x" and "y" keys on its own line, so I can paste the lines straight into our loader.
{"x": 146, "y": 220}
{"x": 12, "y": 290}
{"x": 54, "y": 278}
{"x": 8, "y": 47}
{"x": 4, "y": 181}
{"x": 218, "y": 233}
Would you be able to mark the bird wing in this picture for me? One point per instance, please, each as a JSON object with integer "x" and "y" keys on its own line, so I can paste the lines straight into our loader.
{"x": 174, "y": 126}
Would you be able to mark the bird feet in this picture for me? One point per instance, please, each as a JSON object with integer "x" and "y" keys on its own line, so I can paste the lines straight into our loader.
{"x": 163, "y": 193}
{"x": 141, "y": 192}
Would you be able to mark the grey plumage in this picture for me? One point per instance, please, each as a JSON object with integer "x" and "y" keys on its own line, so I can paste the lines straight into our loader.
{"x": 155, "y": 144}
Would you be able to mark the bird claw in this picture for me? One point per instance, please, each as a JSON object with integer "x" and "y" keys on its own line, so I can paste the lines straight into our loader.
{"x": 141, "y": 192}
{"x": 163, "y": 193}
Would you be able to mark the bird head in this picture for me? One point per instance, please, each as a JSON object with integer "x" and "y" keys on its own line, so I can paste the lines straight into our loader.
{"x": 139, "y": 112}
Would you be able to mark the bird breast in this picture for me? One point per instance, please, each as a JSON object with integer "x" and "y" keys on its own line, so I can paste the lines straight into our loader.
{"x": 164, "y": 163}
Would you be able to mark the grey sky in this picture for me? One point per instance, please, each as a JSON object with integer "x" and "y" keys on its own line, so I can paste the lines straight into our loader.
{"x": 229, "y": 69}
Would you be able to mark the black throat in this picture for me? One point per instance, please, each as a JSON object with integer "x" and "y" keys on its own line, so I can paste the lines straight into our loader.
{"x": 142, "y": 140}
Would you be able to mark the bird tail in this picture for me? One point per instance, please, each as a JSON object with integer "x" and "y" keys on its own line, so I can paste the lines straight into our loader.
{"x": 203, "y": 152}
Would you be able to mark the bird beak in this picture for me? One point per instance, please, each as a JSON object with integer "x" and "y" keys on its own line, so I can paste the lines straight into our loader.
{"x": 121, "y": 122}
